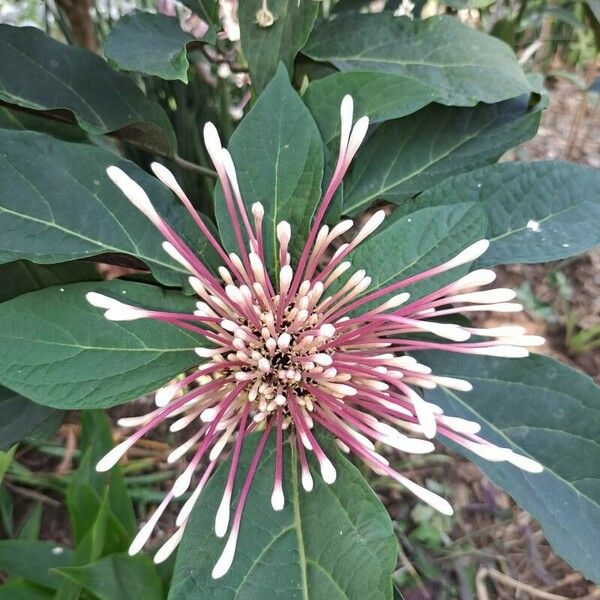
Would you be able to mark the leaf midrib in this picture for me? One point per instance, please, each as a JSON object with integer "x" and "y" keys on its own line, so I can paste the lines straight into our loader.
{"x": 298, "y": 525}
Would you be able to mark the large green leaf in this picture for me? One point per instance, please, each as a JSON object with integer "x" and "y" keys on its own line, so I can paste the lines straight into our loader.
{"x": 22, "y": 276}
{"x": 417, "y": 242}
{"x": 278, "y": 154}
{"x": 118, "y": 577}
{"x": 551, "y": 412}
{"x": 14, "y": 117}
{"x": 42, "y": 74}
{"x": 22, "y": 590}
{"x": 408, "y": 155}
{"x": 333, "y": 543}
{"x": 21, "y": 418}
{"x": 87, "y": 486}
{"x": 148, "y": 43}
{"x": 62, "y": 206}
{"x": 536, "y": 211}
{"x": 379, "y": 96}
{"x": 463, "y": 65}
{"x": 93, "y": 545}
{"x": 59, "y": 351}
{"x": 265, "y": 47}
{"x": 33, "y": 560}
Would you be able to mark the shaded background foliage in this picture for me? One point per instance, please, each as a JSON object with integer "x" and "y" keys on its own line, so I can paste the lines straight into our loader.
{"x": 97, "y": 88}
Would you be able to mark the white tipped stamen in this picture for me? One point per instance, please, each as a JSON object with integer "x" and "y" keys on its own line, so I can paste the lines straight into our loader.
{"x": 475, "y": 278}
{"x": 425, "y": 415}
{"x": 340, "y": 229}
{"x": 145, "y": 532}
{"x": 525, "y": 340}
{"x": 307, "y": 480}
{"x": 182, "y": 483}
{"x": 485, "y": 297}
{"x": 187, "y": 508}
{"x": 230, "y": 170}
{"x": 176, "y": 454}
{"x": 223, "y": 515}
{"x": 473, "y": 252}
{"x": 284, "y": 233}
{"x": 226, "y": 559}
{"x": 169, "y": 546}
{"x": 490, "y": 452}
{"x": 283, "y": 341}
{"x": 324, "y": 360}
{"x": 165, "y": 394}
{"x": 212, "y": 141}
{"x": 525, "y": 463}
{"x": 445, "y": 330}
{"x": 285, "y": 278}
{"x": 328, "y": 472}
{"x": 101, "y": 301}
{"x": 109, "y": 460}
{"x": 277, "y": 497}
{"x": 258, "y": 211}
{"x": 177, "y": 256}
{"x": 369, "y": 227}
{"x": 134, "y": 192}
{"x": 206, "y": 352}
{"x": 501, "y": 351}
{"x": 452, "y": 383}
{"x": 461, "y": 425}
{"x": 435, "y": 501}
{"x": 327, "y": 330}
{"x": 167, "y": 178}
{"x": 346, "y": 115}
{"x": 359, "y": 131}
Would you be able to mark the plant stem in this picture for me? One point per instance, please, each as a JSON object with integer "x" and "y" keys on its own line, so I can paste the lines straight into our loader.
{"x": 186, "y": 164}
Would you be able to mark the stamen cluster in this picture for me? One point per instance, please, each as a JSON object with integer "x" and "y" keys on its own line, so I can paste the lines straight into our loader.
{"x": 290, "y": 350}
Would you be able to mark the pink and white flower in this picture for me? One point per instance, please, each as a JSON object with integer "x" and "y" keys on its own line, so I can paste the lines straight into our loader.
{"x": 289, "y": 352}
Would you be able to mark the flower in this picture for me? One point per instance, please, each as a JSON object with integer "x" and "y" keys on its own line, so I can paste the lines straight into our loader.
{"x": 290, "y": 353}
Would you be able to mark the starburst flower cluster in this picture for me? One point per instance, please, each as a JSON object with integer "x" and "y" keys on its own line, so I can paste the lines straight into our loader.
{"x": 295, "y": 349}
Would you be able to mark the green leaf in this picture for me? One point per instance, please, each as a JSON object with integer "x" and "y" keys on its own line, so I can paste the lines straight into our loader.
{"x": 313, "y": 548}
{"x": 118, "y": 577}
{"x": 6, "y": 511}
{"x": 148, "y": 43}
{"x": 413, "y": 244}
{"x": 13, "y": 117}
{"x": 87, "y": 487}
{"x": 6, "y": 459}
{"x": 59, "y": 351}
{"x": 21, "y": 418}
{"x": 207, "y": 9}
{"x": 536, "y": 211}
{"x": 22, "y": 590}
{"x": 23, "y": 276}
{"x": 408, "y": 155}
{"x": 32, "y": 560}
{"x": 547, "y": 410}
{"x": 42, "y": 74}
{"x": 463, "y": 65}
{"x": 278, "y": 155}
{"x": 62, "y": 206}
{"x": 379, "y": 96}
{"x": 265, "y": 47}
{"x": 98, "y": 540}
{"x": 30, "y": 528}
